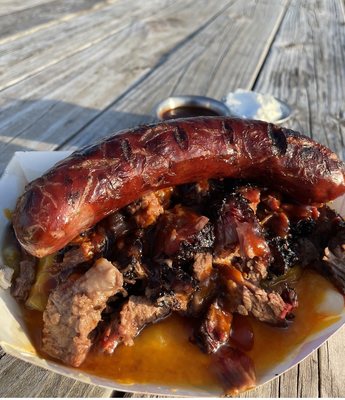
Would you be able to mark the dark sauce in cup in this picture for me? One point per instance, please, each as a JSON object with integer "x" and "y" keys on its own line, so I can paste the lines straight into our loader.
{"x": 188, "y": 111}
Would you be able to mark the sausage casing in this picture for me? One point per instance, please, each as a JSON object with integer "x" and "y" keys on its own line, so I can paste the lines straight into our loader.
{"x": 106, "y": 176}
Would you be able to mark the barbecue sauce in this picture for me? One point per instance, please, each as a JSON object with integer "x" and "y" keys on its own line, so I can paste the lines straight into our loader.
{"x": 163, "y": 354}
{"x": 188, "y": 111}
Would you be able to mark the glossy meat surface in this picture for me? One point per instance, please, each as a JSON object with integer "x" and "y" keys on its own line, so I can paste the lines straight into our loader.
{"x": 102, "y": 178}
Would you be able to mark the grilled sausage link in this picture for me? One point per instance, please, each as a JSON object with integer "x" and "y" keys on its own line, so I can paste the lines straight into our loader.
{"x": 99, "y": 179}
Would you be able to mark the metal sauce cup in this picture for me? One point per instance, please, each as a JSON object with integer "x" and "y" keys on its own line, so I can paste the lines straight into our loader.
{"x": 190, "y": 106}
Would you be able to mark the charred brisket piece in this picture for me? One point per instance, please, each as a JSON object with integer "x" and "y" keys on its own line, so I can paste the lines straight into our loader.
{"x": 322, "y": 246}
{"x": 74, "y": 310}
{"x": 206, "y": 277}
{"x": 214, "y": 331}
{"x": 136, "y": 313}
{"x": 149, "y": 207}
{"x": 23, "y": 283}
{"x": 284, "y": 253}
{"x": 202, "y": 266}
{"x": 170, "y": 286}
{"x": 180, "y": 227}
{"x": 240, "y": 236}
{"x": 128, "y": 255}
{"x": 247, "y": 299}
{"x": 235, "y": 370}
{"x": 333, "y": 261}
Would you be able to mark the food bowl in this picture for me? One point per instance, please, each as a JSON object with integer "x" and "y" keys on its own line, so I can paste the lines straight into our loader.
{"x": 14, "y": 337}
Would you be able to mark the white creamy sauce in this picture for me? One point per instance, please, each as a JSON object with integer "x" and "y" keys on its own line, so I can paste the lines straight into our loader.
{"x": 248, "y": 104}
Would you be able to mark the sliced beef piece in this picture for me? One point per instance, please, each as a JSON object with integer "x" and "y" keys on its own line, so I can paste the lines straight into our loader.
{"x": 206, "y": 277}
{"x": 321, "y": 245}
{"x": 170, "y": 285}
{"x": 133, "y": 273}
{"x": 235, "y": 370}
{"x": 128, "y": 255}
{"x": 74, "y": 310}
{"x": 117, "y": 225}
{"x": 199, "y": 195}
{"x": 202, "y": 266}
{"x": 26, "y": 278}
{"x": 332, "y": 264}
{"x": 191, "y": 194}
{"x": 180, "y": 226}
{"x": 245, "y": 298}
{"x": 136, "y": 313}
{"x": 149, "y": 207}
{"x": 214, "y": 330}
{"x": 252, "y": 195}
{"x": 237, "y": 225}
{"x": 82, "y": 249}
{"x": 284, "y": 253}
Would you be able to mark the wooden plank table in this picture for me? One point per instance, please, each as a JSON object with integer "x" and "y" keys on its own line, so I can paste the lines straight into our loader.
{"x": 72, "y": 72}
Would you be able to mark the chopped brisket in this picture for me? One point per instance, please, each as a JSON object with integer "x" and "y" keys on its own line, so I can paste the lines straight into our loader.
{"x": 202, "y": 266}
{"x": 136, "y": 313}
{"x": 74, "y": 310}
{"x": 214, "y": 331}
{"x": 170, "y": 285}
{"x": 237, "y": 225}
{"x": 206, "y": 277}
{"x": 128, "y": 255}
{"x": 284, "y": 253}
{"x": 332, "y": 262}
{"x": 252, "y": 195}
{"x": 26, "y": 278}
{"x": 235, "y": 370}
{"x": 117, "y": 225}
{"x": 248, "y": 299}
{"x": 214, "y": 250}
{"x": 176, "y": 227}
{"x": 199, "y": 195}
{"x": 322, "y": 246}
{"x": 148, "y": 208}
{"x": 276, "y": 224}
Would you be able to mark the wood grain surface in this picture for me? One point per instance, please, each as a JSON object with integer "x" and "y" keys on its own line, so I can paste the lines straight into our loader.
{"x": 74, "y": 71}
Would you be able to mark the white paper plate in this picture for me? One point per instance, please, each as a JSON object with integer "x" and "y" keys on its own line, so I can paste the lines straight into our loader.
{"x": 25, "y": 166}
